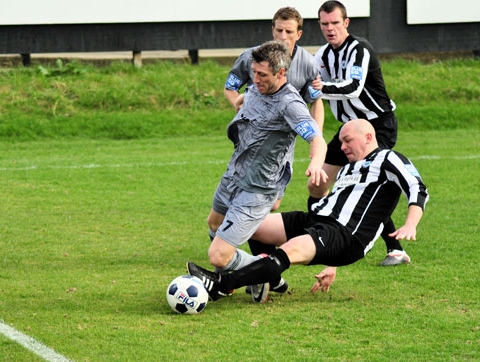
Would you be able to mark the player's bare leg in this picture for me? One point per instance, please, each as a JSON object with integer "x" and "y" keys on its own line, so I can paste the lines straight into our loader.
{"x": 214, "y": 220}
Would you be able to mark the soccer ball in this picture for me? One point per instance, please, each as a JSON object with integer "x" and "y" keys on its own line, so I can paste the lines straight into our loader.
{"x": 187, "y": 295}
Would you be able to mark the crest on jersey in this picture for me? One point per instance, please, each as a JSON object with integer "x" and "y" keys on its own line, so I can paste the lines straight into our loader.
{"x": 356, "y": 73}
{"x": 366, "y": 164}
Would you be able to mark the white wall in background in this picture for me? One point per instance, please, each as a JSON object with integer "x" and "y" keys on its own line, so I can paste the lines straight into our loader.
{"x": 442, "y": 11}
{"x": 26, "y": 12}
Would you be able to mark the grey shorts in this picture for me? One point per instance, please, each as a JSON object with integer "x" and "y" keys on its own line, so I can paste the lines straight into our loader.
{"x": 243, "y": 210}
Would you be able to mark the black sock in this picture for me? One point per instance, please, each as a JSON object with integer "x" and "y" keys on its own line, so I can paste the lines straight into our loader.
{"x": 257, "y": 247}
{"x": 260, "y": 271}
{"x": 391, "y": 243}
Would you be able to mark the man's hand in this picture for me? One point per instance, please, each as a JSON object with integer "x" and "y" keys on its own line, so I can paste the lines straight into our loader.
{"x": 405, "y": 232}
{"x": 409, "y": 230}
{"x": 317, "y": 83}
{"x": 317, "y": 176}
{"x": 238, "y": 103}
{"x": 324, "y": 279}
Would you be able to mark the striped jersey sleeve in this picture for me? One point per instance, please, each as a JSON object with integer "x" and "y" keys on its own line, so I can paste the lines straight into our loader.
{"x": 401, "y": 170}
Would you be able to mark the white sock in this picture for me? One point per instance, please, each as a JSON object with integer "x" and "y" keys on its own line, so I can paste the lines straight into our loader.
{"x": 240, "y": 259}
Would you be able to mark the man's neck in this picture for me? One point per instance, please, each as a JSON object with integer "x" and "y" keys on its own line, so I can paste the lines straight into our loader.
{"x": 342, "y": 43}
{"x": 281, "y": 85}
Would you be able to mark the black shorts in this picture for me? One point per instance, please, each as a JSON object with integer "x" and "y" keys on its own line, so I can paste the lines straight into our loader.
{"x": 386, "y": 133}
{"x": 334, "y": 245}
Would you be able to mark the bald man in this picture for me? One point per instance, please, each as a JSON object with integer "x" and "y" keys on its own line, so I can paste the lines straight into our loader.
{"x": 340, "y": 228}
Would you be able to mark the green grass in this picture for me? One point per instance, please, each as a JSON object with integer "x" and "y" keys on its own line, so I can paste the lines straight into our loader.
{"x": 116, "y": 102}
{"x": 99, "y": 216}
{"x": 167, "y": 99}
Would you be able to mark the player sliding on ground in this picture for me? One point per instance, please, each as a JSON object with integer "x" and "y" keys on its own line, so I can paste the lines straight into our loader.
{"x": 340, "y": 228}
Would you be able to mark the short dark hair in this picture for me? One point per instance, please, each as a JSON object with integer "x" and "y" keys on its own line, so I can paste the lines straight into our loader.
{"x": 329, "y": 6}
{"x": 288, "y": 13}
{"x": 275, "y": 53}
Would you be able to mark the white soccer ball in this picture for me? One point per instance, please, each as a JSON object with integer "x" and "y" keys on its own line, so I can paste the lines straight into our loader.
{"x": 187, "y": 295}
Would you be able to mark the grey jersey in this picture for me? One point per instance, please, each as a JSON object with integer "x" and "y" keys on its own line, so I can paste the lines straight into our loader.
{"x": 264, "y": 132}
{"x": 303, "y": 70}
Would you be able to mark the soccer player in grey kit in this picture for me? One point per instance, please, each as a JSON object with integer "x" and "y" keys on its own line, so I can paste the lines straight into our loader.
{"x": 263, "y": 133}
{"x": 287, "y": 26}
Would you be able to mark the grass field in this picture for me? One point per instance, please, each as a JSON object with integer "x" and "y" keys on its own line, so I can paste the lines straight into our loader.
{"x": 97, "y": 219}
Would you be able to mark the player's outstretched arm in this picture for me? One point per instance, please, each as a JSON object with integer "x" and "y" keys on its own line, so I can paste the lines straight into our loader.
{"x": 318, "y": 150}
{"x": 317, "y": 112}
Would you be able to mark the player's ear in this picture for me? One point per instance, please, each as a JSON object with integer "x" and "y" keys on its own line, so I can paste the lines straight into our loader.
{"x": 281, "y": 73}
{"x": 369, "y": 137}
{"x": 299, "y": 34}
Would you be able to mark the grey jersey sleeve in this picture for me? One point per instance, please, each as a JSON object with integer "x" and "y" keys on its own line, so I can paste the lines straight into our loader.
{"x": 302, "y": 73}
{"x": 241, "y": 72}
{"x": 298, "y": 117}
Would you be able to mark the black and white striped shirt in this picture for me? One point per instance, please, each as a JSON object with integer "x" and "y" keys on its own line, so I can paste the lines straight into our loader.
{"x": 366, "y": 193}
{"x": 353, "y": 81}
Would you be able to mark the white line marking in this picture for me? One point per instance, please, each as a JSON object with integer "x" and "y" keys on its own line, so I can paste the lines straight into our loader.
{"x": 124, "y": 165}
{"x": 31, "y": 344}
{"x": 181, "y": 163}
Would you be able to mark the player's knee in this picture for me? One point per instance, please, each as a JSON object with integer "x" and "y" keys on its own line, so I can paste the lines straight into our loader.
{"x": 318, "y": 191}
{"x": 300, "y": 250}
{"x": 217, "y": 259}
{"x": 213, "y": 223}
{"x": 276, "y": 205}
{"x": 213, "y": 226}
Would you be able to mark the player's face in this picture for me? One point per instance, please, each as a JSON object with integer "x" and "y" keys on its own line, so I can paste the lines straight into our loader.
{"x": 334, "y": 27}
{"x": 287, "y": 32}
{"x": 264, "y": 79}
{"x": 354, "y": 143}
